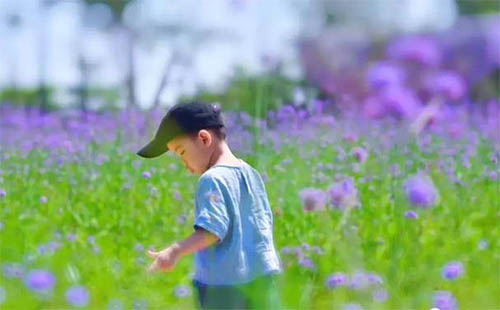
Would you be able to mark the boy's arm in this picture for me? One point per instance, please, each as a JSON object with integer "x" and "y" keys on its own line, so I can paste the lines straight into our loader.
{"x": 166, "y": 259}
{"x": 198, "y": 240}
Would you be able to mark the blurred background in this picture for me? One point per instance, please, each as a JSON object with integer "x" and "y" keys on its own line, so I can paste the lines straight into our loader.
{"x": 375, "y": 125}
{"x": 94, "y": 54}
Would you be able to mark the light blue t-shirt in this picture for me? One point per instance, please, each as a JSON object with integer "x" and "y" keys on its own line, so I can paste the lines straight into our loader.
{"x": 231, "y": 202}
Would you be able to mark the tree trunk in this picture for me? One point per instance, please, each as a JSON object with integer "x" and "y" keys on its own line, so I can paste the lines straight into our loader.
{"x": 83, "y": 88}
{"x": 130, "y": 80}
{"x": 164, "y": 79}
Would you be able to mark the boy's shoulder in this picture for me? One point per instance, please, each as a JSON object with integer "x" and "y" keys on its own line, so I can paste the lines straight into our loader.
{"x": 219, "y": 173}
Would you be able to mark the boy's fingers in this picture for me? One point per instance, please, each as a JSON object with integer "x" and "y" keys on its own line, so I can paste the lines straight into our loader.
{"x": 152, "y": 253}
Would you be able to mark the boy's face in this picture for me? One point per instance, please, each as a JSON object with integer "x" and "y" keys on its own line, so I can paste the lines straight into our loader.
{"x": 194, "y": 152}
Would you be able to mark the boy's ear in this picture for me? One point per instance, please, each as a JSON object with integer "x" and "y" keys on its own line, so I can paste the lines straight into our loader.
{"x": 205, "y": 135}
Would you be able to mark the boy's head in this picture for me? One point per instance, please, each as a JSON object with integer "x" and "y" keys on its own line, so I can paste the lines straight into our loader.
{"x": 192, "y": 130}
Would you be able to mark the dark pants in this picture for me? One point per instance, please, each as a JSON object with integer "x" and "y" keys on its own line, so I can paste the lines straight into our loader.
{"x": 261, "y": 293}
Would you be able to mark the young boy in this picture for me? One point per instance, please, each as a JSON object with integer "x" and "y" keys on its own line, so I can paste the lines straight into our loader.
{"x": 236, "y": 263}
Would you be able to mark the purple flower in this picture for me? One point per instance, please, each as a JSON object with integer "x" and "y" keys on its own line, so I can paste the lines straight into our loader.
{"x": 43, "y": 199}
{"x": 139, "y": 248}
{"x": 77, "y": 296}
{"x": 306, "y": 247}
{"x": 360, "y": 154}
{"x": 140, "y": 261}
{"x": 40, "y": 280}
{"x": 400, "y": 102}
{"x": 421, "y": 191}
{"x": 313, "y": 199}
{"x": 374, "y": 279}
{"x": 306, "y": 263}
{"x": 344, "y": 194}
{"x": 380, "y": 295}
{"x": 383, "y": 74}
{"x": 146, "y": 175}
{"x": 286, "y": 250}
{"x": 54, "y": 245}
{"x": 444, "y": 300}
{"x": 493, "y": 43}
{"x": 13, "y": 270}
{"x": 115, "y": 304}
{"x": 71, "y": 237}
{"x": 91, "y": 240}
{"x": 336, "y": 280}
{"x": 453, "y": 270}
{"x": 447, "y": 84}
{"x": 493, "y": 175}
{"x": 352, "y": 307}
{"x": 350, "y": 137}
{"x": 318, "y": 250}
{"x": 139, "y": 304}
{"x": 419, "y": 49}
{"x": 358, "y": 281}
{"x": 3, "y": 193}
{"x": 182, "y": 291}
{"x": 373, "y": 108}
{"x": 483, "y": 244}
{"x": 411, "y": 215}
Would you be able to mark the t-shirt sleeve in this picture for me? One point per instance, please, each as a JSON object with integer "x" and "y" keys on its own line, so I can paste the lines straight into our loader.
{"x": 210, "y": 209}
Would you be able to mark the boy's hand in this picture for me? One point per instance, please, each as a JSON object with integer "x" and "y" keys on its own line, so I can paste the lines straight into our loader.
{"x": 165, "y": 260}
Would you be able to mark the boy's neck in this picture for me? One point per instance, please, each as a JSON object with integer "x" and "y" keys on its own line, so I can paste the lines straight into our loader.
{"x": 222, "y": 155}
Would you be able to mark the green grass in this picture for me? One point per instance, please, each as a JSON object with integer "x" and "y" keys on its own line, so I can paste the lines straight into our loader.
{"x": 113, "y": 203}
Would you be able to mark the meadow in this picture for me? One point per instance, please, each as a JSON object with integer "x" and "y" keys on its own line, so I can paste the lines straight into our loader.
{"x": 367, "y": 214}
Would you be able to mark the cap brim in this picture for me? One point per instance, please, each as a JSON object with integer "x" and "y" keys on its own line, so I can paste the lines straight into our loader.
{"x": 154, "y": 149}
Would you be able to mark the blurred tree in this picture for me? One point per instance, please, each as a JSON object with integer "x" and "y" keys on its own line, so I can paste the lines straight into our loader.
{"x": 253, "y": 94}
{"x": 473, "y": 7}
{"x": 186, "y": 41}
{"x": 118, "y": 7}
{"x": 45, "y": 6}
{"x": 14, "y": 22}
{"x": 28, "y": 97}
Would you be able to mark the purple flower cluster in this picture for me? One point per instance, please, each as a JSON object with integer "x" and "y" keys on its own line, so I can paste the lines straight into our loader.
{"x": 313, "y": 199}
{"x": 301, "y": 253}
{"x": 448, "y": 85}
{"x": 356, "y": 281}
{"x": 444, "y": 300}
{"x": 411, "y": 215}
{"x": 77, "y": 296}
{"x": 343, "y": 194}
{"x": 419, "y": 49}
{"x": 49, "y": 248}
{"x": 337, "y": 280}
{"x": 182, "y": 291}
{"x": 13, "y": 270}
{"x": 40, "y": 281}
{"x": 420, "y": 191}
{"x": 453, "y": 270}
{"x": 384, "y": 74}
{"x": 360, "y": 154}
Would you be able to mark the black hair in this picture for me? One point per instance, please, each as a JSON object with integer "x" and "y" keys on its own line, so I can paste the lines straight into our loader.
{"x": 220, "y": 132}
